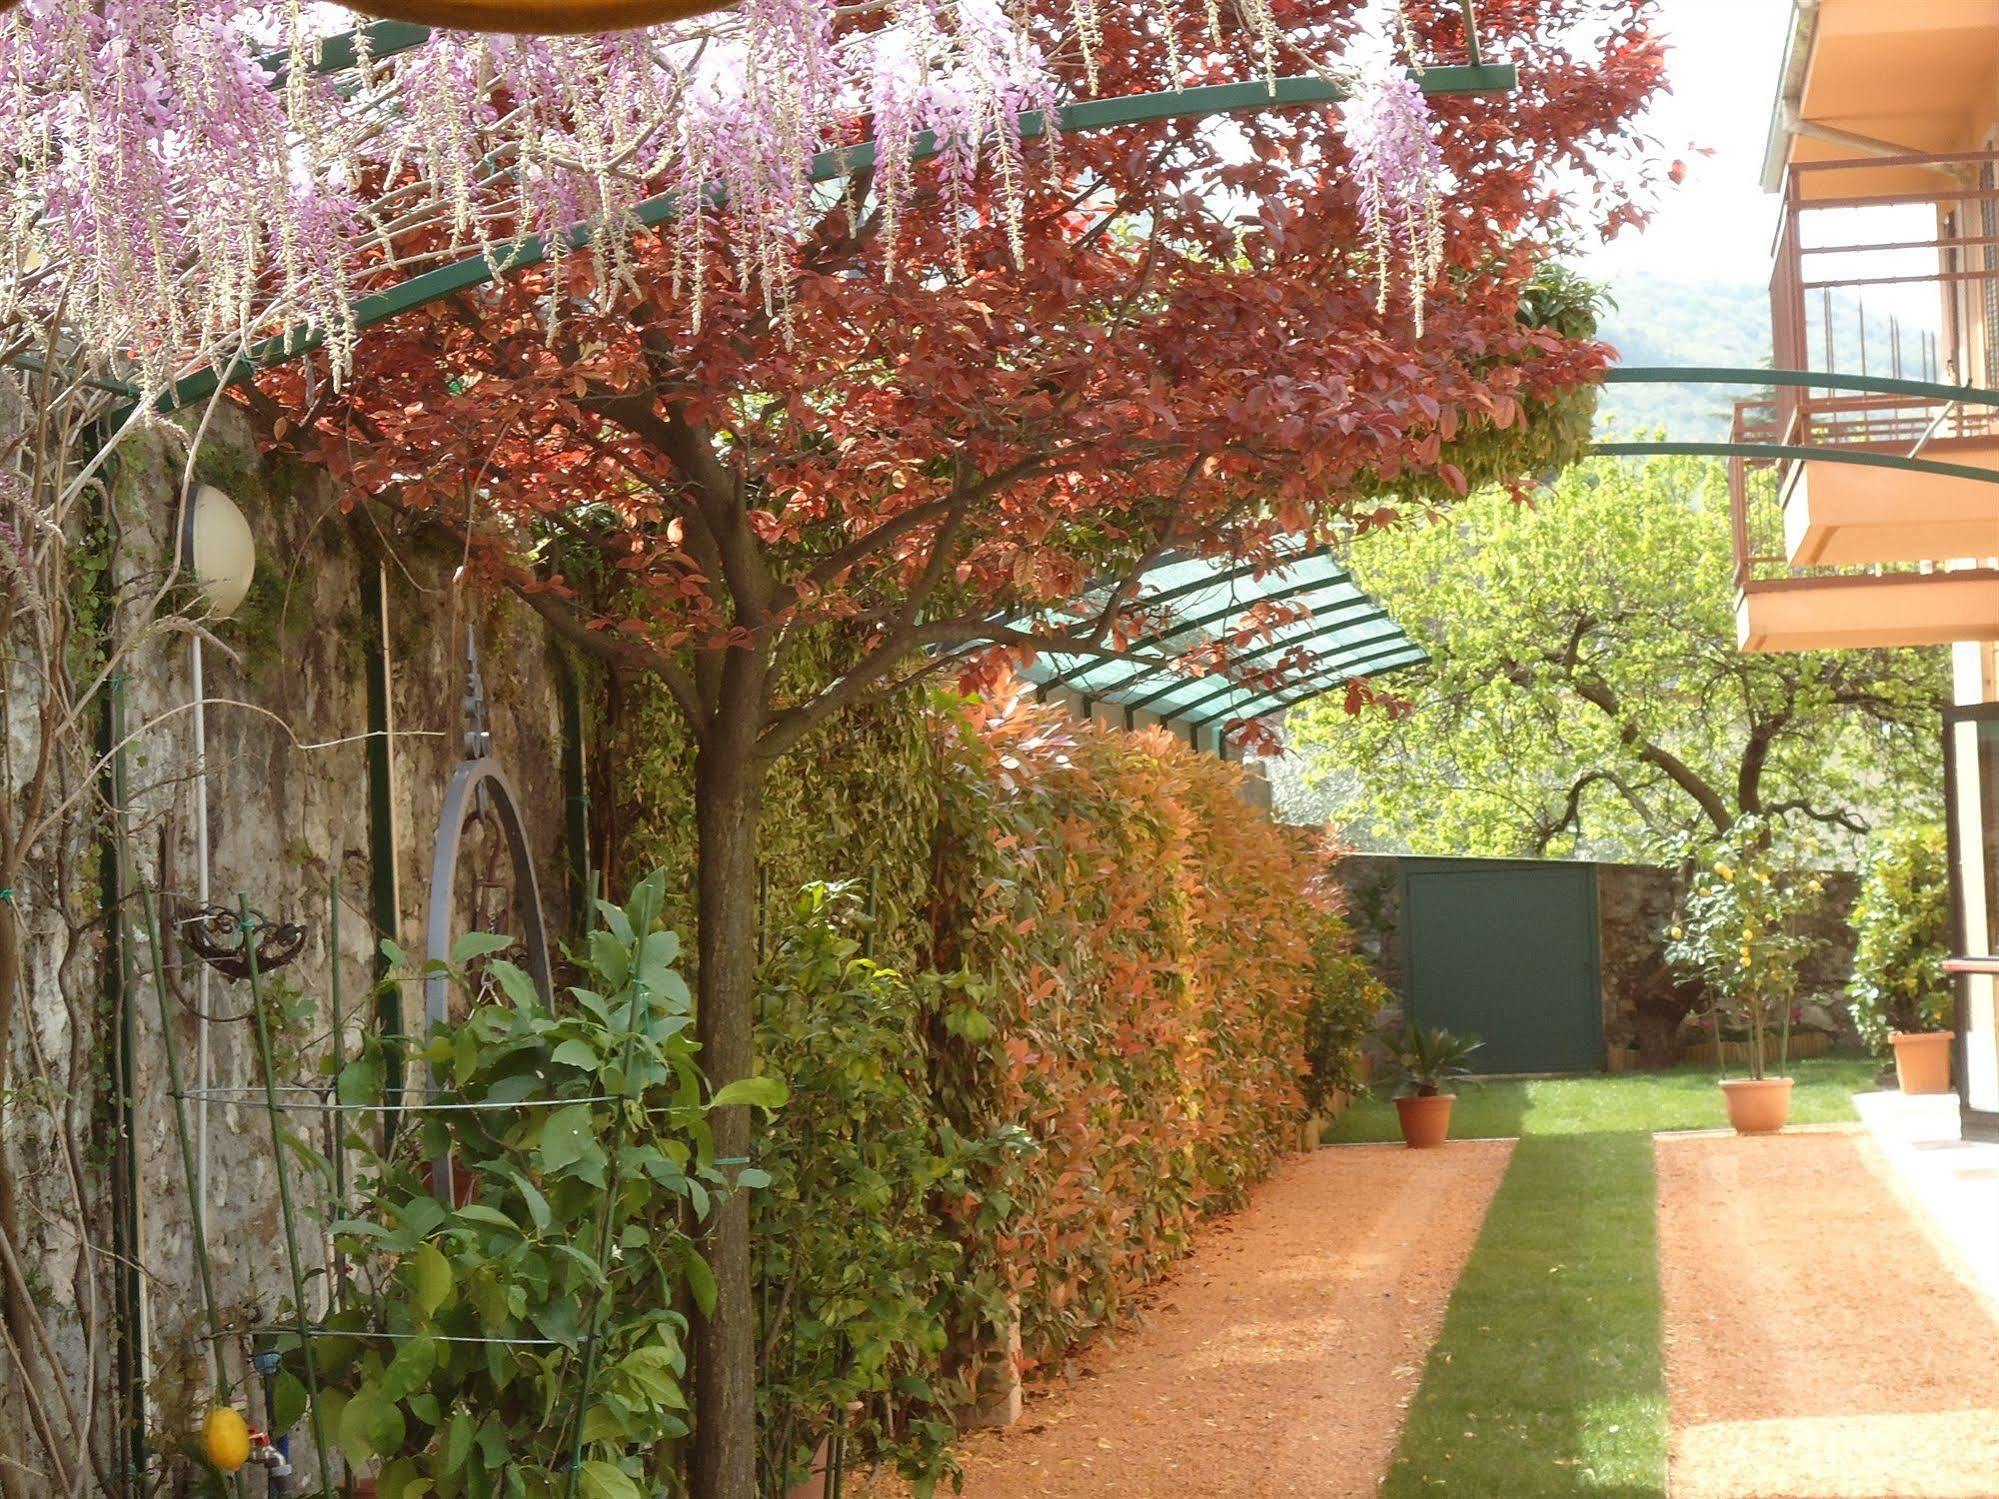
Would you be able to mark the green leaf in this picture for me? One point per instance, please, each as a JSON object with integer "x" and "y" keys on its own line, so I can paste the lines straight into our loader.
{"x": 602, "y": 1480}
{"x": 410, "y": 1369}
{"x": 288, "y": 1401}
{"x": 515, "y": 984}
{"x": 478, "y": 1212}
{"x": 647, "y": 899}
{"x": 610, "y": 959}
{"x": 569, "y": 1144}
{"x": 401, "y": 1480}
{"x": 360, "y": 1082}
{"x": 700, "y": 1280}
{"x": 575, "y": 1053}
{"x": 370, "y": 1426}
{"x": 457, "y": 1441}
{"x": 477, "y": 945}
{"x": 430, "y": 1278}
{"x": 764, "y": 1092}
{"x": 513, "y": 1088}
{"x": 614, "y": 918}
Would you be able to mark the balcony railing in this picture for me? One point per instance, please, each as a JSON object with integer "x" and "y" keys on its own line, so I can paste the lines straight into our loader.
{"x": 1884, "y": 267}
{"x": 1926, "y": 258}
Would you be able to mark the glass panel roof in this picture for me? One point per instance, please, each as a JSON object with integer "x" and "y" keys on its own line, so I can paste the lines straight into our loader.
{"x": 1340, "y": 633}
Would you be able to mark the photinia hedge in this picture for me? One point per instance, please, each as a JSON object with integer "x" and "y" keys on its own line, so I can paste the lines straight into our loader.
{"x": 1126, "y": 962}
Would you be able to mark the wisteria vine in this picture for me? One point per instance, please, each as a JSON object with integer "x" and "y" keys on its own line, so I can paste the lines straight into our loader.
{"x": 183, "y": 179}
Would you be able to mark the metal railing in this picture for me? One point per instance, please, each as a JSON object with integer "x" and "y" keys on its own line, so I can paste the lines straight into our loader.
{"x": 1884, "y": 268}
{"x": 1756, "y": 516}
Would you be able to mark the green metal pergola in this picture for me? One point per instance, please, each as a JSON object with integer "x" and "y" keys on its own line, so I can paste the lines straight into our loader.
{"x": 1088, "y": 115}
{"x": 1340, "y": 633}
{"x": 1923, "y": 390}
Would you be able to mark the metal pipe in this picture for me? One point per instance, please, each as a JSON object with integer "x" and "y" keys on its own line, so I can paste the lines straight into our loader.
{"x": 202, "y": 1060}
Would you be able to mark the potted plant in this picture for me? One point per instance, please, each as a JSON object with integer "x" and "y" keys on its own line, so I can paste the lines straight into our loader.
{"x": 1421, "y": 1065}
{"x": 1901, "y": 924}
{"x": 1741, "y": 931}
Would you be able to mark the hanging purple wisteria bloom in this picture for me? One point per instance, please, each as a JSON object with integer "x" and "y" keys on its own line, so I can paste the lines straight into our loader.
{"x": 1398, "y": 170}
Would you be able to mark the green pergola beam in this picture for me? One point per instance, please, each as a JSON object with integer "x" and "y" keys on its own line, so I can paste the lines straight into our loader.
{"x": 1885, "y": 385}
{"x": 1349, "y": 615}
{"x": 1278, "y": 701}
{"x": 1091, "y": 114}
{"x": 1212, "y": 580}
{"x": 1195, "y": 624}
{"x": 1384, "y": 640}
{"x": 342, "y": 51}
{"x": 1274, "y": 698}
{"x": 339, "y": 52}
{"x": 1784, "y": 452}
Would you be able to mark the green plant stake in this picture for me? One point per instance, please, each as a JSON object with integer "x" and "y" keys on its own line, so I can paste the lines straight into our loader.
{"x": 197, "y": 1211}
{"x": 607, "y": 1220}
{"x": 338, "y": 1047}
{"x": 246, "y": 923}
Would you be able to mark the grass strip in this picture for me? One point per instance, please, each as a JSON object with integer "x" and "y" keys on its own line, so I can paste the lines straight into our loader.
{"x": 1548, "y": 1377}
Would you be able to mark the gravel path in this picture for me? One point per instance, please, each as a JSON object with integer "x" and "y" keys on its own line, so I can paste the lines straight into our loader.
{"x": 1818, "y": 1342}
{"x": 1279, "y": 1358}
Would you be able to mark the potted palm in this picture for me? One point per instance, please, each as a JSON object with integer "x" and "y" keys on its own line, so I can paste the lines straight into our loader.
{"x": 1741, "y": 932}
{"x": 1901, "y": 924}
{"x": 1421, "y": 1065}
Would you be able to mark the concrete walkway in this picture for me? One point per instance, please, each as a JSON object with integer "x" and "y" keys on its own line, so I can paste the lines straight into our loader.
{"x": 1954, "y": 1182}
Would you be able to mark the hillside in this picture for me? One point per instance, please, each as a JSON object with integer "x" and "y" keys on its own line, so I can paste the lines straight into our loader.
{"x": 1660, "y": 321}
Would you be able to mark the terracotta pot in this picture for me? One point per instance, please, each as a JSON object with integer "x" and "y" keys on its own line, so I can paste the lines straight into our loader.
{"x": 538, "y": 17}
{"x": 1426, "y": 1122}
{"x": 1922, "y": 1061}
{"x": 1757, "y": 1105}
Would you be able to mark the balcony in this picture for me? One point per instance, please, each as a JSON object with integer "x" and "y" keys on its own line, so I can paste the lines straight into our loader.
{"x": 1884, "y": 529}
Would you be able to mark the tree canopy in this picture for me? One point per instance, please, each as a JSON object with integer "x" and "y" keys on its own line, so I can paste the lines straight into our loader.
{"x": 962, "y": 420}
{"x": 1585, "y": 696}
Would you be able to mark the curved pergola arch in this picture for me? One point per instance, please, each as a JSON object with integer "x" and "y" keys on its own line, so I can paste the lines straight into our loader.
{"x": 1780, "y": 452}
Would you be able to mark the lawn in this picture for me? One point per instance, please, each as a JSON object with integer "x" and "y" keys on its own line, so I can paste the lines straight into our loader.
{"x": 1548, "y": 1377}
{"x": 1685, "y": 1098}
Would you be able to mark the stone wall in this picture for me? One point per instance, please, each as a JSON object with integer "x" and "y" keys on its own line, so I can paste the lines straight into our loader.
{"x": 1634, "y": 909}
{"x": 288, "y": 810}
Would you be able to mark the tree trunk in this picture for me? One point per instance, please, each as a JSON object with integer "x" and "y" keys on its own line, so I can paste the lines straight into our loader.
{"x": 13, "y": 1307}
{"x": 729, "y": 795}
{"x": 1658, "y": 1026}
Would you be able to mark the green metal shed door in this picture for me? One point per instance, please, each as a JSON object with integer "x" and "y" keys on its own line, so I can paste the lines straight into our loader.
{"x": 1508, "y": 952}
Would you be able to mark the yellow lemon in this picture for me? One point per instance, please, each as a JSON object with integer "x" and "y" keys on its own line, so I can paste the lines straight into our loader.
{"x": 225, "y": 1438}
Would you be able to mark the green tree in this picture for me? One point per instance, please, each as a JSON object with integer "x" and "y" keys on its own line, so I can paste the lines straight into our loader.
{"x": 1585, "y": 697}
{"x": 1901, "y": 922}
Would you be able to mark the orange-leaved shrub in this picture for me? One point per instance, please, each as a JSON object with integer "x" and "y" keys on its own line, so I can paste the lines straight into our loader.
{"x": 1126, "y": 957}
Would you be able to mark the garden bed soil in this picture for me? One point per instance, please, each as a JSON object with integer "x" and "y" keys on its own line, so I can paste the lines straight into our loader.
{"x": 1280, "y": 1358}
{"x": 1818, "y": 1339}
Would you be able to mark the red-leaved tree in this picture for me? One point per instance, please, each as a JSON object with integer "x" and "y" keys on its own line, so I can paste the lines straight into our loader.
{"x": 936, "y": 452}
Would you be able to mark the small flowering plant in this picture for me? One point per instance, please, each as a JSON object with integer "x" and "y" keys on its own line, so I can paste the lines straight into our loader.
{"x": 1740, "y": 930}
